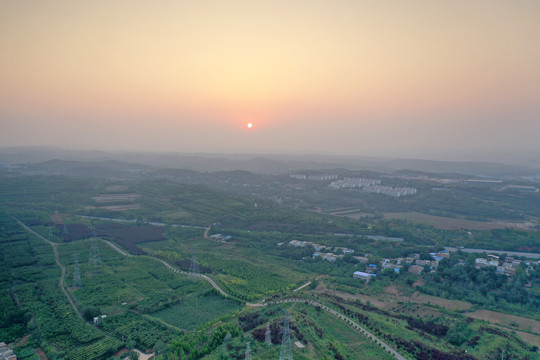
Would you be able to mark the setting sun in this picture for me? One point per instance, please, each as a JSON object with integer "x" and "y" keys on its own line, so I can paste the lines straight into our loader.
{"x": 249, "y": 125}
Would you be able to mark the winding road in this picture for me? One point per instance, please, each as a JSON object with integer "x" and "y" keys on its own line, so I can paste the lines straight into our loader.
{"x": 58, "y": 263}
{"x": 333, "y": 312}
{"x": 350, "y": 321}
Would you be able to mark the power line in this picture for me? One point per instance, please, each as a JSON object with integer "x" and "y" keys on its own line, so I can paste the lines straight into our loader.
{"x": 77, "y": 282}
{"x": 194, "y": 268}
{"x": 267, "y": 337}
{"x": 248, "y": 351}
{"x": 286, "y": 346}
{"x": 94, "y": 258}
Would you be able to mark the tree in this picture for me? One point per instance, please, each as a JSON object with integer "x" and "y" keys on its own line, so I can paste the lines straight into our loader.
{"x": 459, "y": 333}
{"x": 160, "y": 347}
{"x": 130, "y": 343}
{"x": 90, "y": 313}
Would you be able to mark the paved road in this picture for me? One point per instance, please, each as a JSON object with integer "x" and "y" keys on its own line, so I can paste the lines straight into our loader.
{"x": 301, "y": 287}
{"x": 500, "y": 252}
{"x": 116, "y": 248}
{"x": 155, "y": 223}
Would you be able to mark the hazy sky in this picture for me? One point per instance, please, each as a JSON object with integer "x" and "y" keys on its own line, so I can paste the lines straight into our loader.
{"x": 415, "y": 78}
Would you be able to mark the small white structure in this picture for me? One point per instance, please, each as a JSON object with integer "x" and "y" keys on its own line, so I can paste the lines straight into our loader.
{"x": 362, "y": 275}
{"x": 98, "y": 318}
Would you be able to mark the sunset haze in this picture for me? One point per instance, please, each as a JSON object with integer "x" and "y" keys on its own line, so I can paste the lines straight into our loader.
{"x": 425, "y": 79}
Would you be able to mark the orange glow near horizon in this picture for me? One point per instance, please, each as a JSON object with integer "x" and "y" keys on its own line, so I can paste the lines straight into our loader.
{"x": 307, "y": 69}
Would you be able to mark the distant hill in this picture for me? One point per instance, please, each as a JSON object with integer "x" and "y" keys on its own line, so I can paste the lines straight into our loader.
{"x": 264, "y": 164}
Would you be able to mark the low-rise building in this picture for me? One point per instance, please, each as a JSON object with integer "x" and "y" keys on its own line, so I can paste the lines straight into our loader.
{"x": 327, "y": 256}
{"x": 416, "y": 269}
{"x": 297, "y": 243}
{"x": 317, "y": 247}
{"x": 361, "y": 259}
{"x": 480, "y": 262}
{"x": 298, "y": 176}
{"x": 444, "y": 254}
{"x": 371, "y": 268}
{"x": 509, "y": 271}
{"x": 493, "y": 263}
{"x": 323, "y": 177}
{"x": 6, "y": 353}
{"x": 362, "y": 275}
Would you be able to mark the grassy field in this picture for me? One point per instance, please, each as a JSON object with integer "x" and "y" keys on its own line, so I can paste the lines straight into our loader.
{"x": 196, "y": 310}
{"x": 322, "y": 335}
{"x": 145, "y": 301}
{"x": 32, "y": 278}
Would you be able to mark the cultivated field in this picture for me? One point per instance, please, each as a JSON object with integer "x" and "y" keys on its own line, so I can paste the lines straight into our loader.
{"x": 121, "y": 207}
{"x": 116, "y": 197}
{"x": 518, "y": 322}
{"x": 389, "y": 301}
{"x": 446, "y": 223}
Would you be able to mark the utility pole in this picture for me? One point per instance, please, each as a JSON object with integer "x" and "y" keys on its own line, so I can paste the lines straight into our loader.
{"x": 94, "y": 257}
{"x": 77, "y": 282}
{"x": 286, "y": 346}
{"x": 194, "y": 268}
{"x": 248, "y": 351}
{"x": 267, "y": 337}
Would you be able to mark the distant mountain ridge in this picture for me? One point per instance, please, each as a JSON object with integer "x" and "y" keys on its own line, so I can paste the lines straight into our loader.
{"x": 256, "y": 163}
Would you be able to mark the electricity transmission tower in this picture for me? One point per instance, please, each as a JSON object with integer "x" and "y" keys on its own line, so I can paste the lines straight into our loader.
{"x": 286, "y": 346}
{"x": 267, "y": 337}
{"x": 94, "y": 258}
{"x": 77, "y": 282}
{"x": 248, "y": 351}
{"x": 194, "y": 268}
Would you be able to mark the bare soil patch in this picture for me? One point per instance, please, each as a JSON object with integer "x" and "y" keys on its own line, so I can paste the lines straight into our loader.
{"x": 116, "y": 197}
{"x": 121, "y": 207}
{"x": 530, "y": 339}
{"x": 23, "y": 341}
{"x": 390, "y": 300}
{"x": 391, "y": 289}
{"x": 39, "y": 352}
{"x": 56, "y": 219}
{"x": 445, "y": 303}
{"x": 446, "y": 223}
{"x": 116, "y": 188}
{"x": 524, "y": 324}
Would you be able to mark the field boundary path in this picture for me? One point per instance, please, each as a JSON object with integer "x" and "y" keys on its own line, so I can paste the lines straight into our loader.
{"x": 339, "y": 315}
{"x": 301, "y": 287}
{"x": 116, "y": 248}
{"x": 353, "y": 323}
{"x": 58, "y": 263}
{"x": 205, "y": 277}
